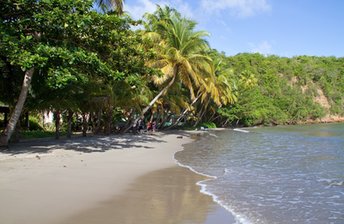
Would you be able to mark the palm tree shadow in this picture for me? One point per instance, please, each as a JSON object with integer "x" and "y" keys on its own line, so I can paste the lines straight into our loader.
{"x": 85, "y": 144}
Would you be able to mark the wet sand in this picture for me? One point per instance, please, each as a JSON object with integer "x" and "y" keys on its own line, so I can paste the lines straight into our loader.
{"x": 164, "y": 196}
{"x": 114, "y": 179}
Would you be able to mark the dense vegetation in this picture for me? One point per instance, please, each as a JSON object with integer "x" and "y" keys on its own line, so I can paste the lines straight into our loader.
{"x": 98, "y": 74}
{"x": 288, "y": 90}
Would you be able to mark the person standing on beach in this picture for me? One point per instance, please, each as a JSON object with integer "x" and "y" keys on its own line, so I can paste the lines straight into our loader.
{"x": 149, "y": 126}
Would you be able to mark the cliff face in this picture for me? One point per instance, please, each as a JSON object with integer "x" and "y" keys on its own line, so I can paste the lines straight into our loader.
{"x": 323, "y": 101}
{"x": 320, "y": 98}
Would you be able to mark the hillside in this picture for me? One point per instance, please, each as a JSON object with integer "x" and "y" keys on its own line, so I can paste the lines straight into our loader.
{"x": 288, "y": 90}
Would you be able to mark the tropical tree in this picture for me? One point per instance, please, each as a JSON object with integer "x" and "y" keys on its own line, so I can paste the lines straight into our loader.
{"x": 116, "y": 5}
{"x": 217, "y": 90}
{"x": 59, "y": 43}
{"x": 180, "y": 53}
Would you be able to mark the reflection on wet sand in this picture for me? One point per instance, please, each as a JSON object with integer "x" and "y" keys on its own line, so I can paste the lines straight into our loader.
{"x": 165, "y": 196}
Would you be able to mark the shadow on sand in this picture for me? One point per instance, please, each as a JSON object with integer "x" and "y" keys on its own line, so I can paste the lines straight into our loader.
{"x": 88, "y": 144}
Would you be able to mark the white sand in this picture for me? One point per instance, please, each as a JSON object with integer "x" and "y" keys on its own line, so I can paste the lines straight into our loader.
{"x": 46, "y": 183}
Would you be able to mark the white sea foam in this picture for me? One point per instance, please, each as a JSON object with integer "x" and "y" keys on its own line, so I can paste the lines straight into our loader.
{"x": 239, "y": 219}
{"x": 241, "y": 130}
{"x": 193, "y": 170}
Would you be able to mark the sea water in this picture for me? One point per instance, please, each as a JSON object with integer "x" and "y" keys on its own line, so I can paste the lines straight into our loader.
{"x": 292, "y": 174}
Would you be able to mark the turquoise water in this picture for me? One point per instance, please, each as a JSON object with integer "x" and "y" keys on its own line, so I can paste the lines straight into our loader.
{"x": 292, "y": 174}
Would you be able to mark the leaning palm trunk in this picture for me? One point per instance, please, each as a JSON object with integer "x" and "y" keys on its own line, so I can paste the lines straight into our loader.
{"x": 6, "y": 135}
{"x": 185, "y": 112}
{"x": 149, "y": 106}
{"x": 200, "y": 119}
{"x": 201, "y": 114}
{"x": 225, "y": 123}
{"x": 158, "y": 96}
{"x": 166, "y": 118}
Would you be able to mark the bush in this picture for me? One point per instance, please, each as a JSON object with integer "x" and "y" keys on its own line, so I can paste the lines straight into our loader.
{"x": 36, "y": 134}
{"x": 208, "y": 125}
{"x": 34, "y": 124}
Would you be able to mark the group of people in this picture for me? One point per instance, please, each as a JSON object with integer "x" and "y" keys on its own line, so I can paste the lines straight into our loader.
{"x": 150, "y": 126}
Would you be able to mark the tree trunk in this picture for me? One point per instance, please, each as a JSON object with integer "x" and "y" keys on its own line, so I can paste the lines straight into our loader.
{"x": 166, "y": 118}
{"x": 98, "y": 122}
{"x": 84, "y": 124}
{"x": 130, "y": 122}
{"x": 69, "y": 129}
{"x": 201, "y": 113}
{"x": 90, "y": 122}
{"x": 57, "y": 124}
{"x": 212, "y": 116}
{"x": 225, "y": 123}
{"x": 200, "y": 116}
{"x": 184, "y": 112}
{"x": 16, "y": 134}
{"x": 163, "y": 91}
{"x": 6, "y": 135}
{"x": 107, "y": 128}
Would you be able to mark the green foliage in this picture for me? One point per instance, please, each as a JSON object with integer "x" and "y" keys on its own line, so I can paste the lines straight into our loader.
{"x": 77, "y": 53}
{"x": 36, "y": 134}
{"x": 34, "y": 124}
{"x": 208, "y": 124}
{"x": 286, "y": 89}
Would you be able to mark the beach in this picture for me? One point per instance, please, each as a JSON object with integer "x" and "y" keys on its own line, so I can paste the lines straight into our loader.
{"x": 103, "y": 179}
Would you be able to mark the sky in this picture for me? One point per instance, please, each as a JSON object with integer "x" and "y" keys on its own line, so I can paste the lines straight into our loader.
{"x": 271, "y": 27}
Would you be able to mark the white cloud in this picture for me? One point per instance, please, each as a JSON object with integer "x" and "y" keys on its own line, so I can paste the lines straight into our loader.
{"x": 263, "y": 47}
{"x": 240, "y": 8}
{"x": 140, "y": 7}
{"x": 183, "y": 8}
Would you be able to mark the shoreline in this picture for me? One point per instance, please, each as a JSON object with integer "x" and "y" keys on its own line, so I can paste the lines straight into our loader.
{"x": 168, "y": 195}
{"x": 48, "y": 182}
{"x": 325, "y": 120}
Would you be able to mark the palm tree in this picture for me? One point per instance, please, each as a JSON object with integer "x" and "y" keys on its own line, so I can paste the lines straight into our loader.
{"x": 225, "y": 83}
{"x": 216, "y": 91}
{"x": 116, "y": 5}
{"x": 163, "y": 15}
{"x": 181, "y": 53}
{"x": 222, "y": 90}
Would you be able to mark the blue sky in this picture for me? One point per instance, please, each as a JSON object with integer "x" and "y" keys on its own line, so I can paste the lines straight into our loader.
{"x": 280, "y": 27}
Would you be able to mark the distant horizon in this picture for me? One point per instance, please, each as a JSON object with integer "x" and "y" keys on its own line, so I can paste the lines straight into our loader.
{"x": 269, "y": 27}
